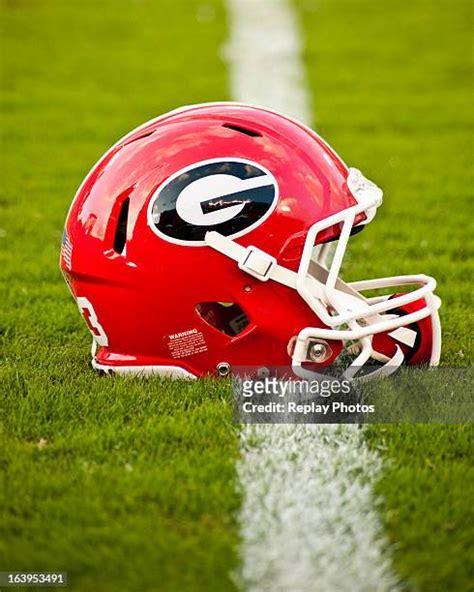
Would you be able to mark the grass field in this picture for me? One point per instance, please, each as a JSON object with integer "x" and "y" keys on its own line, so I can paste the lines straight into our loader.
{"x": 131, "y": 484}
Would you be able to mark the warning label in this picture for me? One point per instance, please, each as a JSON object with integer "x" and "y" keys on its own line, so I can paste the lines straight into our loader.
{"x": 186, "y": 343}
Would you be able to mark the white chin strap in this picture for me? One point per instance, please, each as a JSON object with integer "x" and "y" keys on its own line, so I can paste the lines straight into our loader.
{"x": 347, "y": 314}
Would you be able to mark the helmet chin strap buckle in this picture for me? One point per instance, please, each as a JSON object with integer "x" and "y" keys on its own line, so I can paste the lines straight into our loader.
{"x": 257, "y": 263}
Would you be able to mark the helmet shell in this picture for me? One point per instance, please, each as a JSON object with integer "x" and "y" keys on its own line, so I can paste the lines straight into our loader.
{"x": 145, "y": 294}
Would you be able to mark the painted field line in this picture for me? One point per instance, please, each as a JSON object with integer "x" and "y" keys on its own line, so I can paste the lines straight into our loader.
{"x": 309, "y": 519}
{"x": 264, "y": 57}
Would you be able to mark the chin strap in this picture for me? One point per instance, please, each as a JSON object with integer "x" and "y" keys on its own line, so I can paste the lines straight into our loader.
{"x": 255, "y": 262}
{"x": 264, "y": 267}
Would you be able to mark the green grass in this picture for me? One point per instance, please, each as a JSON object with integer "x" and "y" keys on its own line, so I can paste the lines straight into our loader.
{"x": 124, "y": 484}
{"x": 392, "y": 93}
{"x": 427, "y": 490}
{"x": 134, "y": 488}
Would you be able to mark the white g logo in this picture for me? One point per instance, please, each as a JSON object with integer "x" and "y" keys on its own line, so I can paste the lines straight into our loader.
{"x": 231, "y": 196}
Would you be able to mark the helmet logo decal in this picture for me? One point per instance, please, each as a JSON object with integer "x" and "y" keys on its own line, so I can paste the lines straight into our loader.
{"x": 229, "y": 195}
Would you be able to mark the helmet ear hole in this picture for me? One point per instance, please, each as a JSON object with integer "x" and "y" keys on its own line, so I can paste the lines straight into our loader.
{"x": 227, "y": 317}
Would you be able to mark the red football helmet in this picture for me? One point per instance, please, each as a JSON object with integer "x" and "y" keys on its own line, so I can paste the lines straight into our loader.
{"x": 200, "y": 242}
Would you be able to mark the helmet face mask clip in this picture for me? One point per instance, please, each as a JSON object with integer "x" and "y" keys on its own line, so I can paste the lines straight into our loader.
{"x": 231, "y": 252}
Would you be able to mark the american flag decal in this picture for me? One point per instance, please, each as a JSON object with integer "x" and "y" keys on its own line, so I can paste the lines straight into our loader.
{"x": 66, "y": 251}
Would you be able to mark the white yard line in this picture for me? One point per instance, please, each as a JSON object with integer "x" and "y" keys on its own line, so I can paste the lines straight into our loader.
{"x": 309, "y": 520}
{"x": 264, "y": 57}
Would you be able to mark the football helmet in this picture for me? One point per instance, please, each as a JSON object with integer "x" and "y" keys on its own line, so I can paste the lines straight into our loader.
{"x": 202, "y": 240}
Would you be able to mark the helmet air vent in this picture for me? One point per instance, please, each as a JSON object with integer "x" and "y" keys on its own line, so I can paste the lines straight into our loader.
{"x": 121, "y": 231}
{"x": 144, "y": 135}
{"x": 242, "y": 130}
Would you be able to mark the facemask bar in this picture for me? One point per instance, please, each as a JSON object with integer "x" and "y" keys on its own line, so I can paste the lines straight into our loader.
{"x": 361, "y": 315}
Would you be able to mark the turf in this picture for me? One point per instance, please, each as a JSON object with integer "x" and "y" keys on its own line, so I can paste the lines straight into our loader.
{"x": 392, "y": 93}
{"x": 124, "y": 485}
